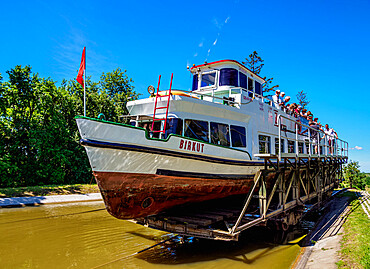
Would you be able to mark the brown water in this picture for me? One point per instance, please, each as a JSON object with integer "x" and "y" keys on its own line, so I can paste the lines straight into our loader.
{"x": 83, "y": 236}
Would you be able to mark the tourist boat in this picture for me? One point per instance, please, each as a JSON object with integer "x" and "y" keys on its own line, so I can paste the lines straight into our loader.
{"x": 189, "y": 146}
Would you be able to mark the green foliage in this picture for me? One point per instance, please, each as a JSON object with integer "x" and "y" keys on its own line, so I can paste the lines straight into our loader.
{"x": 38, "y": 133}
{"x": 48, "y": 190}
{"x": 255, "y": 64}
{"x": 355, "y": 246}
{"x": 302, "y": 99}
{"x": 353, "y": 176}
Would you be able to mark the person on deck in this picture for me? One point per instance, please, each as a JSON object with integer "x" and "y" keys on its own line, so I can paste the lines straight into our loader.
{"x": 276, "y": 99}
{"x": 309, "y": 116}
{"x": 318, "y": 123}
{"x": 299, "y": 110}
{"x": 314, "y": 133}
{"x": 304, "y": 113}
{"x": 331, "y": 135}
{"x": 285, "y": 103}
{"x": 282, "y": 96}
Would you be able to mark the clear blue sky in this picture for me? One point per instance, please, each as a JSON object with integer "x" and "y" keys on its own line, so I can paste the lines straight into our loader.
{"x": 321, "y": 47}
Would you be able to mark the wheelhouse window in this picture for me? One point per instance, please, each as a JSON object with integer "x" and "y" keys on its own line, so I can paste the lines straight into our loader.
{"x": 257, "y": 88}
{"x": 195, "y": 82}
{"x": 277, "y": 145}
{"x": 243, "y": 80}
{"x": 264, "y": 142}
{"x": 250, "y": 87}
{"x": 173, "y": 126}
{"x": 291, "y": 146}
{"x": 238, "y": 136}
{"x": 208, "y": 79}
{"x": 229, "y": 77}
{"x": 220, "y": 134}
{"x": 197, "y": 129}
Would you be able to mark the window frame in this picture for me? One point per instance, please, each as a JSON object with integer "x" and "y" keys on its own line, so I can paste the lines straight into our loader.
{"x": 228, "y": 137}
{"x": 195, "y": 86}
{"x": 200, "y": 139}
{"x": 200, "y": 78}
{"x": 282, "y": 148}
{"x": 237, "y": 77}
{"x": 231, "y": 136}
{"x": 291, "y": 143}
{"x": 268, "y": 142}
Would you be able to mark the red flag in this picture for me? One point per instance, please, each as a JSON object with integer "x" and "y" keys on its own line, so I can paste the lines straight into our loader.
{"x": 82, "y": 69}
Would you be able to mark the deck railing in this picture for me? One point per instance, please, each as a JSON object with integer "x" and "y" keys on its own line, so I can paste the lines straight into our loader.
{"x": 339, "y": 147}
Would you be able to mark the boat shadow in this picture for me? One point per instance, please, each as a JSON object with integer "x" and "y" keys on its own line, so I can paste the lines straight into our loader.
{"x": 331, "y": 222}
{"x": 253, "y": 244}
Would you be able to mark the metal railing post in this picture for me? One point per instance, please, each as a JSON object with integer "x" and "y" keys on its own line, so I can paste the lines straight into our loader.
{"x": 279, "y": 126}
{"x": 296, "y": 140}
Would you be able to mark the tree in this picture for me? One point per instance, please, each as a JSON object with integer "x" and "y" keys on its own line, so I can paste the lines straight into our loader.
{"x": 354, "y": 177}
{"x": 118, "y": 88}
{"x": 351, "y": 171}
{"x": 267, "y": 85}
{"x": 302, "y": 99}
{"x": 255, "y": 64}
{"x": 39, "y": 140}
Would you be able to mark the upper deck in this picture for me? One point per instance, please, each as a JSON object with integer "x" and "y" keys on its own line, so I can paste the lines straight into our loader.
{"x": 229, "y": 94}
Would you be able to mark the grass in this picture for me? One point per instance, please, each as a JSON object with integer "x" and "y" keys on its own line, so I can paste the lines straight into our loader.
{"x": 355, "y": 244}
{"x": 48, "y": 190}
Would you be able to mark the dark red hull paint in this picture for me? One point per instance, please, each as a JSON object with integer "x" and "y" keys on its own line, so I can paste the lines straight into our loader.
{"x": 129, "y": 196}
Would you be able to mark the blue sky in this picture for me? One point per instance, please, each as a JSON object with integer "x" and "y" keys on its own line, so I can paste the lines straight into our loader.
{"x": 321, "y": 47}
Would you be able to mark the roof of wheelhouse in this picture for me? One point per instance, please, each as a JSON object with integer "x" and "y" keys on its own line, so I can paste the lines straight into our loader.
{"x": 223, "y": 62}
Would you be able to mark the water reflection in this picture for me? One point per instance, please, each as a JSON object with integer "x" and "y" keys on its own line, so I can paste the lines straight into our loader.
{"x": 85, "y": 236}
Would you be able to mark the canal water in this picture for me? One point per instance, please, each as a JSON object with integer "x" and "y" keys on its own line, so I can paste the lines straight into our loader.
{"x": 84, "y": 235}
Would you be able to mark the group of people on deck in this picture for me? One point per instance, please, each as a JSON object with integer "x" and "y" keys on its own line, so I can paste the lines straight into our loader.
{"x": 306, "y": 118}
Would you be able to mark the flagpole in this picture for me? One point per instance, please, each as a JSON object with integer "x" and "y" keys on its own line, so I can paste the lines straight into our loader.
{"x": 85, "y": 85}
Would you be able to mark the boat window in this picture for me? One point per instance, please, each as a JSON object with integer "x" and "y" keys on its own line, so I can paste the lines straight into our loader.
{"x": 229, "y": 77}
{"x": 264, "y": 142}
{"x": 291, "y": 146}
{"x": 220, "y": 134}
{"x": 300, "y": 147}
{"x": 173, "y": 126}
{"x": 147, "y": 125}
{"x": 238, "y": 136}
{"x": 277, "y": 145}
{"x": 243, "y": 80}
{"x": 250, "y": 87}
{"x": 307, "y": 148}
{"x": 208, "y": 79}
{"x": 257, "y": 88}
{"x": 195, "y": 82}
{"x": 196, "y": 129}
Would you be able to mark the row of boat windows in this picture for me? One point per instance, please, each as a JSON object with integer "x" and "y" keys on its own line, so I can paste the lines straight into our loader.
{"x": 212, "y": 132}
{"x": 265, "y": 145}
{"x": 228, "y": 77}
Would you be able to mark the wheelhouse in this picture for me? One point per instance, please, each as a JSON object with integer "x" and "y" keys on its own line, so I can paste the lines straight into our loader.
{"x": 226, "y": 79}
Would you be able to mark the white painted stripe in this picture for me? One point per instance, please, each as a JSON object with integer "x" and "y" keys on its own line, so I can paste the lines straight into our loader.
{"x": 359, "y": 195}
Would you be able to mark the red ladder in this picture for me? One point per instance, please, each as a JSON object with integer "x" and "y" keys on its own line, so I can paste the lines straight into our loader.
{"x": 161, "y": 107}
